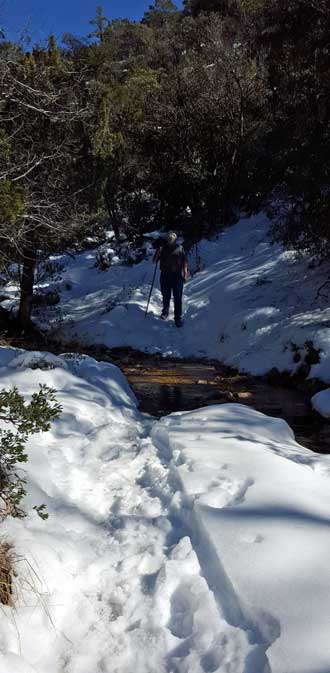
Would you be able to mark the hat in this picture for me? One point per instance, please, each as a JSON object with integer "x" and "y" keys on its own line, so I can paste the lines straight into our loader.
{"x": 171, "y": 238}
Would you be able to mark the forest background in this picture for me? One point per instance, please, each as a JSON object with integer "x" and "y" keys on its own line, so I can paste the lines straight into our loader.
{"x": 181, "y": 120}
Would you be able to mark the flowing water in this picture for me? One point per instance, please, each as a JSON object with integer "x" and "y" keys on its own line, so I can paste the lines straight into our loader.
{"x": 165, "y": 385}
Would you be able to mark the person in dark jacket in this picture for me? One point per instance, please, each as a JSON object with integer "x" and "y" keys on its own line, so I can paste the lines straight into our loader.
{"x": 173, "y": 274}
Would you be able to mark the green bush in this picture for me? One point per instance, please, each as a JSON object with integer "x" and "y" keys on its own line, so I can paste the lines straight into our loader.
{"x": 23, "y": 419}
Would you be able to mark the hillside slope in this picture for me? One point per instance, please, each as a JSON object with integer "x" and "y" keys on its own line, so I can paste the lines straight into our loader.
{"x": 252, "y": 305}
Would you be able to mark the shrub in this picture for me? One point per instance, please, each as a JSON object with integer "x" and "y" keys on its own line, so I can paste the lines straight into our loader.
{"x": 23, "y": 419}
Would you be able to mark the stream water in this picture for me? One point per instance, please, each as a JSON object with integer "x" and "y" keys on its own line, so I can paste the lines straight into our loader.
{"x": 165, "y": 385}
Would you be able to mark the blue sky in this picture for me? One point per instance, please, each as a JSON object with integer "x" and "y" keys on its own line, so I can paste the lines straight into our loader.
{"x": 42, "y": 17}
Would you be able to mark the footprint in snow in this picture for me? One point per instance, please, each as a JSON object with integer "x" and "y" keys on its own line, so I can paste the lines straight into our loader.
{"x": 182, "y": 612}
{"x": 225, "y": 493}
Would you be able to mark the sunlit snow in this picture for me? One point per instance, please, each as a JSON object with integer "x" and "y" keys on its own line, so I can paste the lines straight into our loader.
{"x": 192, "y": 544}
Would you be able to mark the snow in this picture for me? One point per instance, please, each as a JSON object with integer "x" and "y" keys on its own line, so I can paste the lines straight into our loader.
{"x": 321, "y": 403}
{"x": 108, "y": 582}
{"x": 36, "y": 360}
{"x": 193, "y": 544}
{"x": 7, "y": 355}
{"x": 252, "y": 305}
{"x": 257, "y": 504}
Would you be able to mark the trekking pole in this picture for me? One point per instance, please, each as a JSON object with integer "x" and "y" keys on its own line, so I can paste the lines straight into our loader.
{"x": 151, "y": 289}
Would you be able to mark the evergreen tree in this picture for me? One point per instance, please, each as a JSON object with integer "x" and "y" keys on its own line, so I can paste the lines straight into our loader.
{"x": 43, "y": 206}
{"x": 160, "y": 13}
{"x": 195, "y": 7}
{"x": 187, "y": 115}
{"x": 100, "y": 22}
{"x": 295, "y": 38}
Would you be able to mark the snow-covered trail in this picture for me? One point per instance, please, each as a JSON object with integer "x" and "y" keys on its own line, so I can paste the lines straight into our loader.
{"x": 194, "y": 544}
{"x": 170, "y": 619}
{"x": 120, "y": 585}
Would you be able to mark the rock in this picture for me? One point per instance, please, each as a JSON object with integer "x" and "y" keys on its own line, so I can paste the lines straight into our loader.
{"x": 50, "y": 298}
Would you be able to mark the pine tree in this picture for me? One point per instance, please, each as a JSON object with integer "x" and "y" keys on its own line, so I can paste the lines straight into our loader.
{"x": 43, "y": 206}
{"x": 101, "y": 23}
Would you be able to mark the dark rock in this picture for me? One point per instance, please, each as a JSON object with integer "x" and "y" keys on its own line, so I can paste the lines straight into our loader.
{"x": 51, "y": 298}
{"x": 303, "y": 371}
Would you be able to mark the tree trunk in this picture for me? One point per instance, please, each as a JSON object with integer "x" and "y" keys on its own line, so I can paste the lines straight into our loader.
{"x": 113, "y": 215}
{"x": 213, "y": 207}
{"x": 27, "y": 283}
{"x": 197, "y": 219}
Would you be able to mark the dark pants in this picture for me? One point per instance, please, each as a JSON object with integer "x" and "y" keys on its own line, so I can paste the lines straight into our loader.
{"x": 172, "y": 282}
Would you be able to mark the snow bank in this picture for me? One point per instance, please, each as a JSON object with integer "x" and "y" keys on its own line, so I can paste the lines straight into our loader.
{"x": 321, "y": 403}
{"x": 7, "y": 355}
{"x": 36, "y": 360}
{"x": 67, "y": 591}
{"x": 257, "y": 505}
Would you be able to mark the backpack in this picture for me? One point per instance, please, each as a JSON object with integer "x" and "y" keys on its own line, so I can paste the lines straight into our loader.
{"x": 172, "y": 259}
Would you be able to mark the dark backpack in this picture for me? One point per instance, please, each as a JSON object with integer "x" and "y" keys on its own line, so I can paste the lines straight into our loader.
{"x": 172, "y": 259}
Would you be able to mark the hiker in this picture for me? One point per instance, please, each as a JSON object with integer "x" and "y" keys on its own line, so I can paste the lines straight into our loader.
{"x": 173, "y": 274}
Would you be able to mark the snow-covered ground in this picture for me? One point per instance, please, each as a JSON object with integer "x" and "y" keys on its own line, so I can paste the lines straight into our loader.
{"x": 253, "y": 305}
{"x": 195, "y": 544}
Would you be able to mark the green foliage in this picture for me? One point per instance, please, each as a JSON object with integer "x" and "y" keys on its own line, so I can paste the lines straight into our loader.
{"x": 23, "y": 420}
{"x": 41, "y": 511}
{"x": 54, "y": 53}
{"x": 12, "y": 202}
{"x": 184, "y": 118}
{"x": 160, "y": 13}
{"x": 45, "y": 203}
{"x": 295, "y": 39}
{"x": 100, "y": 22}
{"x": 102, "y": 139}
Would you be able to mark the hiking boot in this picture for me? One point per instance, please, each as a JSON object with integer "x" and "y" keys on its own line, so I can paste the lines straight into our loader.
{"x": 164, "y": 315}
{"x": 178, "y": 322}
